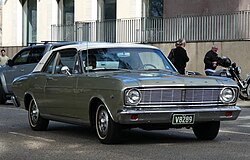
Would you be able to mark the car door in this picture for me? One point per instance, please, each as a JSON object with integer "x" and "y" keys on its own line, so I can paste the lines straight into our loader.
{"x": 23, "y": 63}
{"x": 59, "y": 88}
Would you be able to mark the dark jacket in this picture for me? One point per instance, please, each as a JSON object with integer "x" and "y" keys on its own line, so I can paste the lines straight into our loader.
{"x": 179, "y": 58}
{"x": 210, "y": 57}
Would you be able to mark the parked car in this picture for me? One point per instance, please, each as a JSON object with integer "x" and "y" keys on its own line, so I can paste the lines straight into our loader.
{"x": 118, "y": 86}
{"x": 23, "y": 63}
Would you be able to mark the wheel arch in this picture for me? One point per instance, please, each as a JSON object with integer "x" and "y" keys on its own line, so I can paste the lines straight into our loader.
{"x": 27, "y": 98}
{"x": 93, "y": 105}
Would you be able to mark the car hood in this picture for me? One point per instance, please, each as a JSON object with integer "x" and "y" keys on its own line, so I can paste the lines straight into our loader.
{"x": 167, "y": 78}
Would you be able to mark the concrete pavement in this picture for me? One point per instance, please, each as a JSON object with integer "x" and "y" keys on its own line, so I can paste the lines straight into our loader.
{"x": 242, "y": 103}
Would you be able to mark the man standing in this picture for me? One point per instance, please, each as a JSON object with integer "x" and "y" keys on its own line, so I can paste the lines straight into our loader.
{"x": 3, "y": 58}
{"x": 211, "y": 60}
{"x": 178, "y": 56}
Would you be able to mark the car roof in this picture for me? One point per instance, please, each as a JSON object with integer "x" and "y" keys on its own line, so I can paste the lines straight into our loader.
{"x": 90, "y": 45}
{"x": 94, "y": 45}
{"x": 48, "y": 44}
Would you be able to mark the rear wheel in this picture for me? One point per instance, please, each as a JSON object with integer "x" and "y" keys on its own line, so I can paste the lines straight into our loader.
{"x": 206, "y": 130}
{"x": 108, "y": 131}
{"x": 36, "y": 122}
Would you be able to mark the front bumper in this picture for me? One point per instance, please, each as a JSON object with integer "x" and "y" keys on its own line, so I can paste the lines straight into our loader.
{"x": 164, "y": 115}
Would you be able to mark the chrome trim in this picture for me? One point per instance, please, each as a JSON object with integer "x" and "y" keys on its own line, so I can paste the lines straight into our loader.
{"x": 171, "y": 105}
{"x": 234, "y": 95}
{"x": 179, "y": 110}
{"x": 127, "y": 97}
{"x": 183, "y": 85}
{"x": 15, "y": 101}
{"x": 181, "y": 103}
{"x": 186, "y": 105}
{"x": 198, "y": 87}
{"x": 181, "y": 95}
{"x": 164, "y": 115}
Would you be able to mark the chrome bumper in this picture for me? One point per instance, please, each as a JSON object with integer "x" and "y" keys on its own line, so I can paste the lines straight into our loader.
{"x": 164, "y": 115}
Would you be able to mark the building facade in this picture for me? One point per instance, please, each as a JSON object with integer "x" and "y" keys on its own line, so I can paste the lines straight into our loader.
{"x": 30, "y": 21}
{"x": 27, "y": 21}
{"x": 203, "y": 7}
{"x": 156, "y": 22}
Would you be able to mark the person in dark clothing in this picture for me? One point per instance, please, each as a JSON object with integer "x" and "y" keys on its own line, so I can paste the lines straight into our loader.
{"x": 211, "y": 60}
{"x": 178, "y": 56}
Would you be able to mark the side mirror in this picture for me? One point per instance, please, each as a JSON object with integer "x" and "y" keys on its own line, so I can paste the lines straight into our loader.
{"x": 10, "y": 63}
{"x": 65, "y": 70}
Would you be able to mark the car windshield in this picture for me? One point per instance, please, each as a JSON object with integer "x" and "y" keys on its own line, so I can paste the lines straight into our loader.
{"x": 125, "y": 58}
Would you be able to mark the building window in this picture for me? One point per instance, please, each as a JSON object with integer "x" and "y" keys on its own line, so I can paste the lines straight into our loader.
{"x": 68, "y": 12}
{"x": 109, "y": 9}
{"x": 155, "y": 8}
{"x": 67, "y": 19}
{"x": 31, "y": 21}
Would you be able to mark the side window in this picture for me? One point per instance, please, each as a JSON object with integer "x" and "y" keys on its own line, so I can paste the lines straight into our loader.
{"x": 77, "y": 65}
{"x": 61, "y": 58}
{"x": 36, "y": 55}
{"x": 21, "y": 57}
{"x": 99, "y": 59}
{"x": 50, "y": 63}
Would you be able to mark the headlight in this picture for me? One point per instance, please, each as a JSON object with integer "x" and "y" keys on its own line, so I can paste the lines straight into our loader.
{"x": 227, "y": 95}
{"x": 132, "y": 97}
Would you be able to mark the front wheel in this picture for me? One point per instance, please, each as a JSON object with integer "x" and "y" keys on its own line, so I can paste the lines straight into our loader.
{"x": 108, "y": 131}
{"x": 206, "y": 130}
{"x": 36, "y": 122}
{"x": 245, "y": 95}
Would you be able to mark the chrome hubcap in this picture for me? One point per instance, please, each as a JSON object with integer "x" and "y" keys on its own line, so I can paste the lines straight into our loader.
{"x": 103, "y": 122}
{"x": 34, "y": 113}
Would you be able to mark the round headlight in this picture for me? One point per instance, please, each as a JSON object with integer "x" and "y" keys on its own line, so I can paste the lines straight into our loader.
{"x": 133, "y": 97}
{"x": 227, "y": 95}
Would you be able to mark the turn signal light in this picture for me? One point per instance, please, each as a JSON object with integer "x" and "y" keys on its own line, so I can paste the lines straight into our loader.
{"x": 229, "y": 114}
{"x": 134, "y": 117}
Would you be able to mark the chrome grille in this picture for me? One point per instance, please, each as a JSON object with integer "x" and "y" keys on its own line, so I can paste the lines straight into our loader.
{"x": 179, "y": 95}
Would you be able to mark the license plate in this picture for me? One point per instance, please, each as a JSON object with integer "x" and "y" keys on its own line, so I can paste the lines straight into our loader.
{"x": 183, "y": 119}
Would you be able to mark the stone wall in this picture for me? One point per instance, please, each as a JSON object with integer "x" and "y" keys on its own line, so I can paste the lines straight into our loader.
{"x": 11, "y": 50}
{"x": 237, "y": 51}
{"x": 194, "y": 7}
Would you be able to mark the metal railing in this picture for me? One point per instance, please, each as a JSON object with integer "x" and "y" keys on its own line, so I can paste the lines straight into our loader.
{"x": 219, "y": 27}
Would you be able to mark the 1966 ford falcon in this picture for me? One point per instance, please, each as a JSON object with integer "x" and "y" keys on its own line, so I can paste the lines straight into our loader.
{"x": 118, "y": 86}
